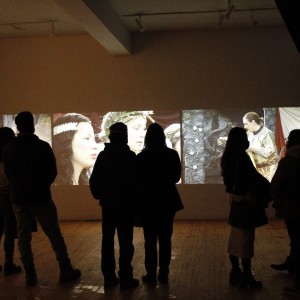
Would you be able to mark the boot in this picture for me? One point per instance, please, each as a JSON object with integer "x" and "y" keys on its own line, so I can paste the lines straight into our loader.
{"x": 235, "y": 273}
{"x": 247, "y": 279}
{"x": 287, "y": 265}
{"x": 149, "y": 279}
{"x": 111, "y": 281}
{"x": 68, "y": 273}
{"x": 163, "y": 278}
{"x": 128, "y": 283}
{"x": 30, "y": 276}
{"x": 10, "y": 269}
{"x": 163, "y": 275}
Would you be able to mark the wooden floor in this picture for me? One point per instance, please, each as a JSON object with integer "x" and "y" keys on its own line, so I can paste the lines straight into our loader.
{"x": 199, "y": 267}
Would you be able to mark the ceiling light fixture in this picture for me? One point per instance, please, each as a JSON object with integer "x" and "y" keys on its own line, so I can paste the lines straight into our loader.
{"x": 221, "y": 18}
{"x": 14, "y": 26}
{"x": 138, "y": 21}
{"x": 230, "y": 8}
{"x": 253, "y": 20}
{"x": 23, "y": 25}
{"x": 52, "y": 33}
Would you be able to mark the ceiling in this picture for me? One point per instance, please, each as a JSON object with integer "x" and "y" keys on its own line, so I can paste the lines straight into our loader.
{"x": 111, "y": 22}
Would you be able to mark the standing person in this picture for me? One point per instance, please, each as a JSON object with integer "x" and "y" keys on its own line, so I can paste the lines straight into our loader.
{"x": 7, "y": 218}
{"x": 74, "y": 147}
{"x": 30, "y": 167}
{"x": 262, "y": 148}
{"x": 159, "y": 169}
{"x": 286, "y": 196}
{"x": 241, "y": 179}
{"x": 112, "y": 183}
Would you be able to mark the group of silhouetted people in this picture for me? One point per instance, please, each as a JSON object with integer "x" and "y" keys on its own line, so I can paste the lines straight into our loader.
{"x": 130, "y": 188}
{"x": 140, "y": 190}
{"x": 136, "y": 188}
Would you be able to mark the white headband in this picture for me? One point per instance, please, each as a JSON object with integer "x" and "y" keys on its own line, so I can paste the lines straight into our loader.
{"x": 65, "y": 127}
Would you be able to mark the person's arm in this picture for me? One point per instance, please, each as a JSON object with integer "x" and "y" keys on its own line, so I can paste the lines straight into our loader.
{"x": 52, "y": 169}
{"x": 279, "y": 183}
{"x": 266, "y": 147}
{"x": 94, "y": 178}
{"x": 176, "y": 172}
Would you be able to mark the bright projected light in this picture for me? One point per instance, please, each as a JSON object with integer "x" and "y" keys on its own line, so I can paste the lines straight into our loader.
{"x": 199, "y": 136}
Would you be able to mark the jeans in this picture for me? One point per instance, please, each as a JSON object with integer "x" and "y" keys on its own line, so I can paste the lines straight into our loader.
{"x": 46, "y": 215}
{"x": 7, "y": 226}
{"x": 158, "y": 228}
{"x": 122, "y": 222}
{"x": 293, "y": 226}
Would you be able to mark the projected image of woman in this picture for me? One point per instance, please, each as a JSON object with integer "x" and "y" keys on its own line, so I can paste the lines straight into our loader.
{"x": 172, "y": 133}
{"x": 262, "y": 149}
{"x": 74, "y": 147}
{"x": 136, "y": 122}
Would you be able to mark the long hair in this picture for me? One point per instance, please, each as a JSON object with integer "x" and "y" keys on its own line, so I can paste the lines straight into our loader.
{"x": 155, "y": 136}
{"x": 237, "y": 143}
{"x": 6, "y": 135}
{"x": 64, "y": 129}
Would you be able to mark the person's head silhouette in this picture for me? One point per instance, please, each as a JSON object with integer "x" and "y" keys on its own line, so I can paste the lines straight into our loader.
{"x": 294, "y": 138}
{"x": 118, "y": 133}
{"x": 25, "y": 122}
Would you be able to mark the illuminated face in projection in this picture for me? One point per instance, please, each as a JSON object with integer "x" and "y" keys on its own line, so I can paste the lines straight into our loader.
{"x": 249, "y": 126}
{"x": 85, "y": 149}
{"x": 136, "y": 133}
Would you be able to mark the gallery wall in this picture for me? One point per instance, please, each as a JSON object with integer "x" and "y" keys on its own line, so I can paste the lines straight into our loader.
{"x": 167, "y": 71}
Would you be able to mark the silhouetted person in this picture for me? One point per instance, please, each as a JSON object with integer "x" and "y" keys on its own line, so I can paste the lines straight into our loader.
{"x": 286, "y": 195}
{"x": 8, "y": 224}
{"x": 249, "y": 194}
{"x": 31, "y": 168}
{"x": 112, "y": 182}
{"x": 159, "y": 169}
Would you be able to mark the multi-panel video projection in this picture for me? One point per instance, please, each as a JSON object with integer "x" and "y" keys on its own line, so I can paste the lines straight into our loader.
{"x": 199, "y": 136}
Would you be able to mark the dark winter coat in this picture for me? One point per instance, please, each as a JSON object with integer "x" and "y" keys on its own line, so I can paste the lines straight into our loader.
{"x": 285, "y": 185}
{"x": 112, "y": 181}
{"x": 159, "y": 169}
{"x": 241, "y": 178}
{"x": 30, "y": 167}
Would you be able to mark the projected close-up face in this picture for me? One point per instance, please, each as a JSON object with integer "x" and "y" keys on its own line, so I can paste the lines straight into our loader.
{"x": 250, "y": 126}
{"x": 136, "y": 133}
{"x": 84, "y": 147}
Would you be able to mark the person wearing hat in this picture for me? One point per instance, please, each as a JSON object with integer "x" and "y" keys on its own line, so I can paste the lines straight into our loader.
{"x": 286, "y": 196}
{"x": 112, "y": 183}
{"x": 30, "y": 166}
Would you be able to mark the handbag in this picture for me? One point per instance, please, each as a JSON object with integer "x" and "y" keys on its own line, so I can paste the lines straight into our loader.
{"x": 242, "y": 212}
{"x": 247, "y": 211}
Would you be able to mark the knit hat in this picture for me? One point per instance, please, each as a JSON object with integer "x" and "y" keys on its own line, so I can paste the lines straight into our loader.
{"x": 118, "y": 127}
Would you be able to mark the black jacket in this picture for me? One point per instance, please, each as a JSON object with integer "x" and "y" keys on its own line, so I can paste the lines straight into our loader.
{"x": 30, "y": 166}
{"x": 242, "y": 178}
{"x": 112, "y": 181}
{"x": 285, "y": 185}
{"x": 159, "y": 169}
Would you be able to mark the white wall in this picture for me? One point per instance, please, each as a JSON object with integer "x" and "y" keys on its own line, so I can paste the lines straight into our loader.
{"x": 179, "y": 70}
